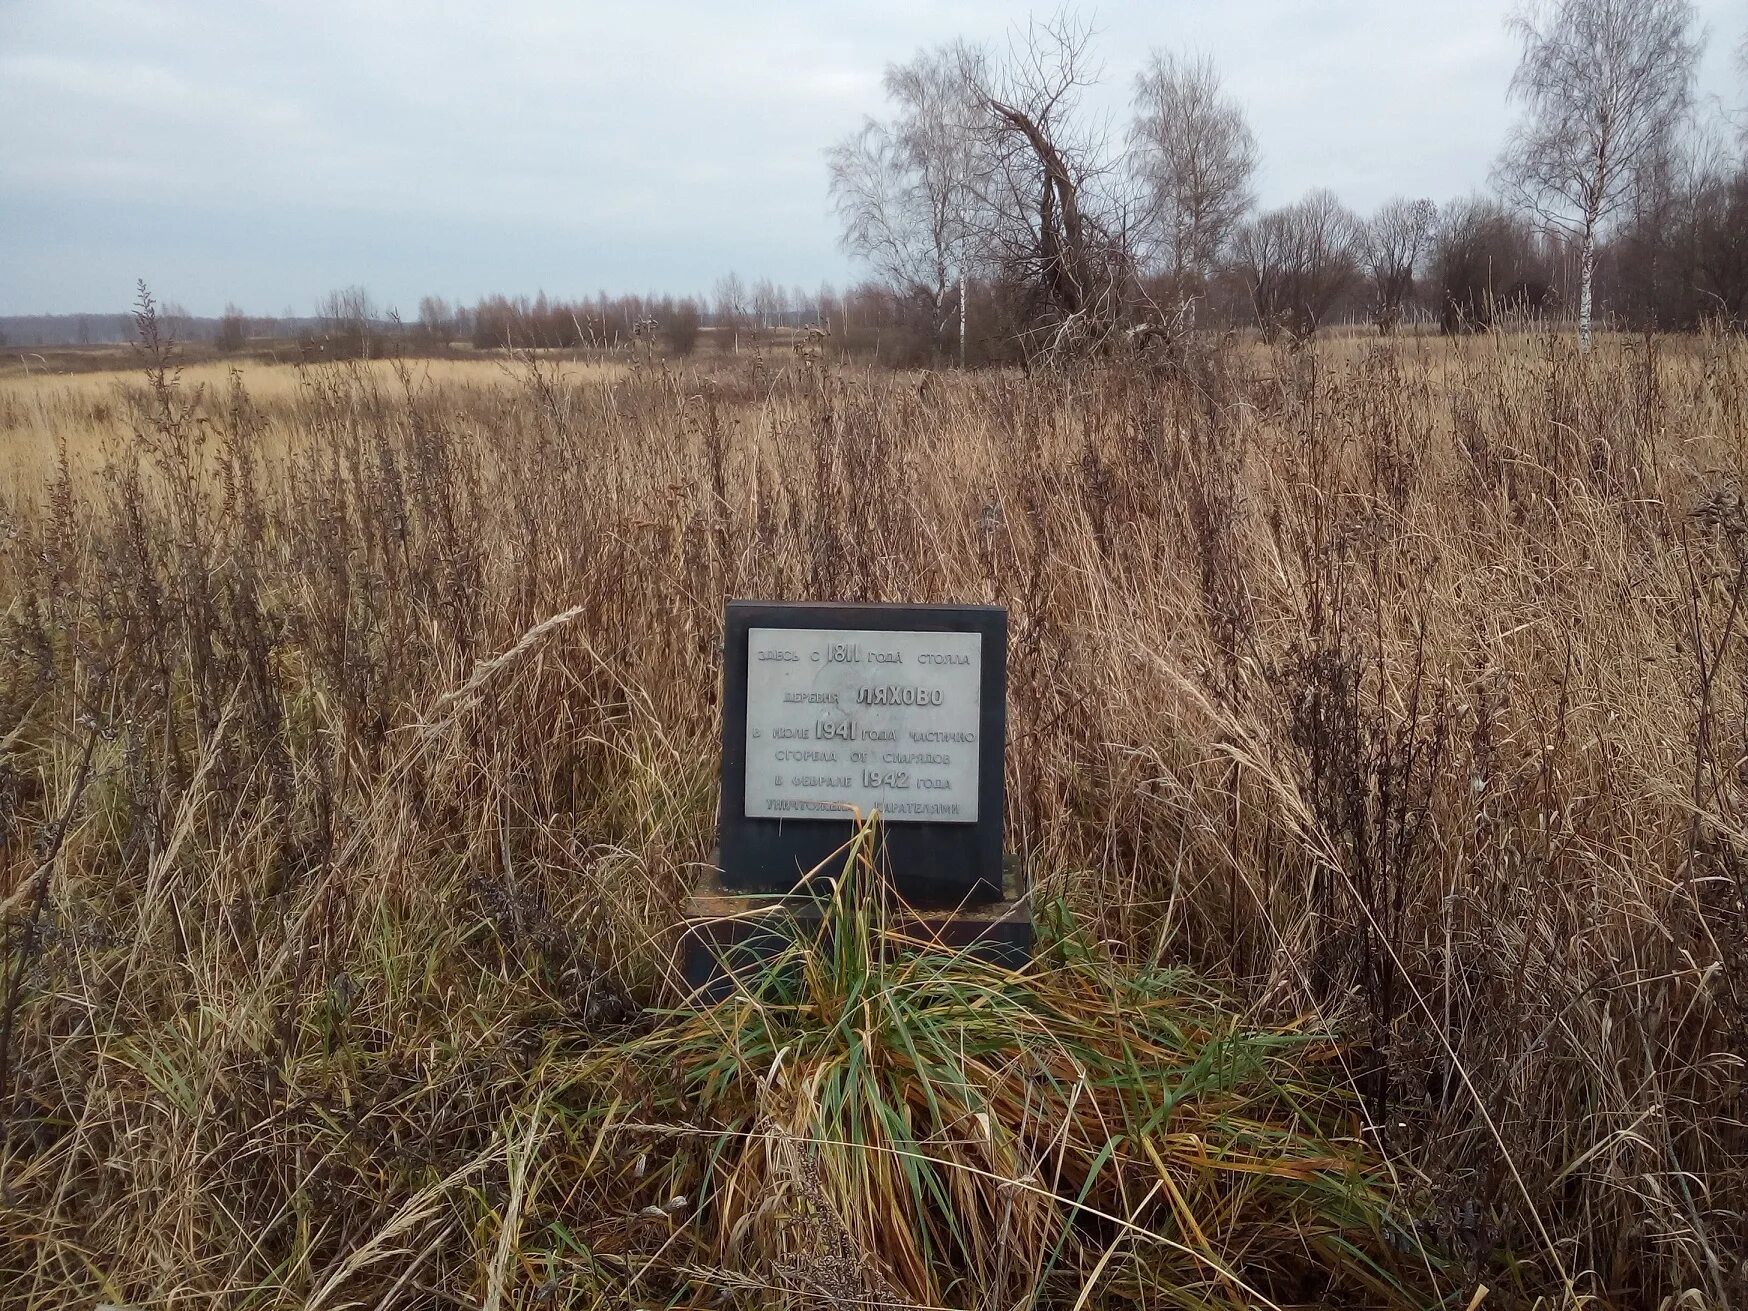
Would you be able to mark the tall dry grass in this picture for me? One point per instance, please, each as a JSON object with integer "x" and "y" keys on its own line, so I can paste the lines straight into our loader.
{"x": 359, "y": 742}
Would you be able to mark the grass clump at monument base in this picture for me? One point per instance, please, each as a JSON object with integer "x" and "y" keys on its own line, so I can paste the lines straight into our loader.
{"x": 871, "y": 1120}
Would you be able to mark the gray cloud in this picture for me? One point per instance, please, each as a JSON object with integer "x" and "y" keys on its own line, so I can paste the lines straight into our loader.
{"x": 265, "y": 153}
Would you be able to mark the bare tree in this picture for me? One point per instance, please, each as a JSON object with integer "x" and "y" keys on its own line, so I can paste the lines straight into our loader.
{"x": 1649, "y": 258}
{"x": 177, "y": 322}
{"x": 1391, "y": 245}
{"x": 1485, "y": 258}
{"x": 233, "y": 331}
{"x": 348, "y": 319}
{"x": 764, "y": 303}
{"x": 1050, "y": 210}
{"x": 828, "y": 306}
{"x": 1602, "y": 83}
{"x": 436, "y": 319}
{"x": 682, "y": 326}
{"x": 904, "y": 188}
{"x": 1742, "y": 72}
{"x": 731, "y": 311}
{"x": 1721, "y": 245}
{"x": 1195, "y": 157}
{"x": 1297, "y": 261}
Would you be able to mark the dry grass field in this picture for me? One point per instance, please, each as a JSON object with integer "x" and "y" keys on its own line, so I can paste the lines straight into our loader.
{"x": 1378, "y": 751}
{"x": 90, "y": 410}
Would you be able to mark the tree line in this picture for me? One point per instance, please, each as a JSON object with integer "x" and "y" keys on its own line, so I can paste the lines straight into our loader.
{"x": 996, "y": 219}
{"x": 993, "y": 214}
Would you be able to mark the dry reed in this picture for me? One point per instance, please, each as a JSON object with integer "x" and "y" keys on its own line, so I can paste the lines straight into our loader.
{"x": 1399, "y": 686}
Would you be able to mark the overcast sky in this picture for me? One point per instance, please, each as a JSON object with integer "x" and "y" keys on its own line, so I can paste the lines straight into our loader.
{"x": 266, "y": 153}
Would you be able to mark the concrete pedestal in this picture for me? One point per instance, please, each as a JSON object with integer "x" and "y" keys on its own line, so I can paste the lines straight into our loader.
{"x": 730, "y": 933}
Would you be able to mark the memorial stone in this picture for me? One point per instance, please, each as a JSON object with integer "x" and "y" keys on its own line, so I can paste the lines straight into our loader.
{"x": 836, "y": 711}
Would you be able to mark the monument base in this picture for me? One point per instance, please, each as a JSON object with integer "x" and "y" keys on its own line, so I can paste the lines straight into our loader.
{"x": 730, "y": 935}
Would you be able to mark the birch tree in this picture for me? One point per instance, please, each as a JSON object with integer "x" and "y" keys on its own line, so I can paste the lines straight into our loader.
{"x": 903, "y": 187}
{"x": 1602, "y": 84}
{"x": 1195, "y": 157}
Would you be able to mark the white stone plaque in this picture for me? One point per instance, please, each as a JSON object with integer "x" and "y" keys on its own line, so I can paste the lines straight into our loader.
{"x": 877, "y": 719}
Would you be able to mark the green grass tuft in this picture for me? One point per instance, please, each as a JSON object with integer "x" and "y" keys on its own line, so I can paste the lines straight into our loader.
{"x": 878, "y": 1120}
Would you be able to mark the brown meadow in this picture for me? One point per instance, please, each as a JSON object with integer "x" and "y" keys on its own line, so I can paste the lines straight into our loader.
{"x": 357, "y": 749}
